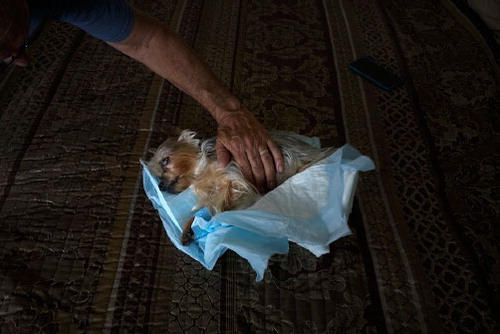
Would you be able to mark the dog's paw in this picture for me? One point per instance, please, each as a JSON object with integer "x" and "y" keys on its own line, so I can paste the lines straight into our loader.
{"x": 187, "y": 233}
{"x": 187, "y": 237}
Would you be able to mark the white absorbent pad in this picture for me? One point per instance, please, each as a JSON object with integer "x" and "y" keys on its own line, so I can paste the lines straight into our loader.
{"x": 310, "y": 209}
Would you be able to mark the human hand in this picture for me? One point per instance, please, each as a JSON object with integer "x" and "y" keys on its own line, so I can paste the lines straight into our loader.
{"x": 14, "y": 26}
{"x": 253, "y": 149}
{"x": 20, "y": 60}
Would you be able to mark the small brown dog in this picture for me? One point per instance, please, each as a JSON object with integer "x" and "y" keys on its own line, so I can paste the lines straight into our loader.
{"x": 189, "y": 162}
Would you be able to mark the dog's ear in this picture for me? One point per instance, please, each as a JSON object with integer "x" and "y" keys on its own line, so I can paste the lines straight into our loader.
{"x": 189, "y": 137}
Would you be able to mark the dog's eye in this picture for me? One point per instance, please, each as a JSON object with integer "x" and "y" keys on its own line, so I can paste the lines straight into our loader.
{"x": 164, "y": 162}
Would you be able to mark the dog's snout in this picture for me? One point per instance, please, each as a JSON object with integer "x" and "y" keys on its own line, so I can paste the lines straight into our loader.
{"x": 162, "y": 186}
{"x": 168, "y": 186}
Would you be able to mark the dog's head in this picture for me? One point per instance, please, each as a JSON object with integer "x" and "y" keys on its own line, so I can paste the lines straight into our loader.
{"x": 175, "y": 161}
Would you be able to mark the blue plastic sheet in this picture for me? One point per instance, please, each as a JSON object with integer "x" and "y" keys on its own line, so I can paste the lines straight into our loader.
{"x": 310, "y": 209}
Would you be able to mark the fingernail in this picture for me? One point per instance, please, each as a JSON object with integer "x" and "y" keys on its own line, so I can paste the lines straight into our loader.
{"x": 280, "y": 169}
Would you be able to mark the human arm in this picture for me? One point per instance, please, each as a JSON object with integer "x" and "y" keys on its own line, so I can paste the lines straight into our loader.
{"x": 239, "y": 133}
{"x": 13, "y": 29}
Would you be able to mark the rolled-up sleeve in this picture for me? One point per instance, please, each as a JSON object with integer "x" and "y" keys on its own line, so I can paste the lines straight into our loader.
{"x": 109, "y": 20}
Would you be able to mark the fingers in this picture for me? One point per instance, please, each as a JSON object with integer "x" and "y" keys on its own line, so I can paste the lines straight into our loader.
{"x": 243, "y": 137}
{"x": 248, "y": 169}
{"x": 269, "y": 168}
{"x": 235, "y": 147}
{"x": 22, "y": 60}
{"x": 259, "y": 169}
{"x": 257, "y": 165}
{"x": 279, "y": 162}
{"x": 223, "y": 155}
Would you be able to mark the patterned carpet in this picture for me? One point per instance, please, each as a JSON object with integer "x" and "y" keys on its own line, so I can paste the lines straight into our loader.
{"x": 83, "y": 250}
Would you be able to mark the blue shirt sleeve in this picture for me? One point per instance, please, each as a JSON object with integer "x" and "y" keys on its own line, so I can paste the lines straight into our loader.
{"x": 109, "y": 20}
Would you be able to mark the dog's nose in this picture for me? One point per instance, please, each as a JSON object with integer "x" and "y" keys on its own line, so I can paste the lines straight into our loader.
{"x": 162, "y": 186}
{"x": 168, "y": 186}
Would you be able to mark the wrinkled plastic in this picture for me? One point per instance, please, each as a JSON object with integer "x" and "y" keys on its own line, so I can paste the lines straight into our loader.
{"x": 311, "y": 209}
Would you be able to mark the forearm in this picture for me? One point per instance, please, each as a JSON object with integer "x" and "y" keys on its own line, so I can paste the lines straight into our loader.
{"x": 169, "y": 56}
{"x": 239, "y": 133}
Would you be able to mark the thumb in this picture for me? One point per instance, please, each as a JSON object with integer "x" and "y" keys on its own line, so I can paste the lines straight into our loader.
{"x": 22, "y": 60}
{"x": 223, "y": 155}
